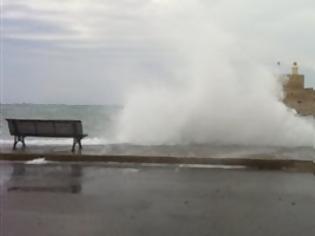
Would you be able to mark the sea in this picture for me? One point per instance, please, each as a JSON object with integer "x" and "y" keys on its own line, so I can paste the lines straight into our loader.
{"x": 99, "y": 123}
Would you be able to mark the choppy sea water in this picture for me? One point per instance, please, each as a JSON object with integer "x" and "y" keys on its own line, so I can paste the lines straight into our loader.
{"x": 99, "y": 123}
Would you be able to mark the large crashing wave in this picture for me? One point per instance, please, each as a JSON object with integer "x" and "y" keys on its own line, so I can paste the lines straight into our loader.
{"x": 218, "y": 92}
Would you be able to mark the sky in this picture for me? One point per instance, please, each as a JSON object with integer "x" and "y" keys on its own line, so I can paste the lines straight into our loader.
{"x": 96, "y": 51}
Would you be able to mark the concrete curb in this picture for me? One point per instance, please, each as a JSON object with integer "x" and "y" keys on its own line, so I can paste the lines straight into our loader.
{"x": 262, "y": 163}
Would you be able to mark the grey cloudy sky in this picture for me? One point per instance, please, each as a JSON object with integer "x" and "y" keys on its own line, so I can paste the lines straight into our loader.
{"x": 93, "y": 51}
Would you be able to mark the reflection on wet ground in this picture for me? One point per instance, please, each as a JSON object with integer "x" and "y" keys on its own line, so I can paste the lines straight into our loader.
{"x": 134, "y": 199}
{"x": 29, "y": 178}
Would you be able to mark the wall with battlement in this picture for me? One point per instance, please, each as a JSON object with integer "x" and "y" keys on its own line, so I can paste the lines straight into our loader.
{"x": 296, "y": 96}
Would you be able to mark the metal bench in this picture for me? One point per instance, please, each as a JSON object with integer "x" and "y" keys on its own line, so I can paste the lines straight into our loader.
{"x": 22, "y": 128}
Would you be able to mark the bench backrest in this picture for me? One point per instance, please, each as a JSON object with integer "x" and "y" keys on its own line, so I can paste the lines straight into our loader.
{"x": 45, "y": 128}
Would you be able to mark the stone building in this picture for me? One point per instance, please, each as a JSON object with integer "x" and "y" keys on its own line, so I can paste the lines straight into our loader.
{"x": 296, "y": 95}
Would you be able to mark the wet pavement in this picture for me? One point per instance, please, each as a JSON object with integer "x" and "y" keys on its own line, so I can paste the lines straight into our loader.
{"x": 141, "y": 199}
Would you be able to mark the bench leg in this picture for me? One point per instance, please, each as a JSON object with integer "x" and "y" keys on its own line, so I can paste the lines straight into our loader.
{"x": 73, "y": 145}
{"x": 19, "y": 139}
{"x": 75, "y": 142}
{"x": 15, "y": 142}
{"x": 80, "y": 145}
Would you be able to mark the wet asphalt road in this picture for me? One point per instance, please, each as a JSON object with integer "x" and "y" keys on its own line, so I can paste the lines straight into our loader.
{"x": 83, "y": 199}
